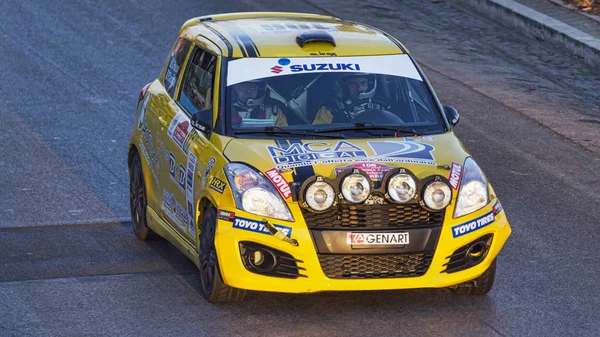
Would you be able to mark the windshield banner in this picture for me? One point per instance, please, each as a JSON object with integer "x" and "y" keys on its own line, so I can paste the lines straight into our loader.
{"x": 247, "y": 69}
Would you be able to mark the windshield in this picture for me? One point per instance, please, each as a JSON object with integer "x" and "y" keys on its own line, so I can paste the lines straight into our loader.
{"x": 369, "y": 96}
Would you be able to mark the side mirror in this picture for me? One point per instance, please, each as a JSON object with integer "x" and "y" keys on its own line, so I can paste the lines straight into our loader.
{"x": 202, "y": 120}
{"x": 451, "y": 115}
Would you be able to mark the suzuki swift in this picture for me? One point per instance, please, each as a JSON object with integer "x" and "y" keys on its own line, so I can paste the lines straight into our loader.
{"x": 302, "y": 153}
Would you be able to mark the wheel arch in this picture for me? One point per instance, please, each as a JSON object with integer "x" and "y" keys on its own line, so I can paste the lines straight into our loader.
{"x": 131, "y": 151}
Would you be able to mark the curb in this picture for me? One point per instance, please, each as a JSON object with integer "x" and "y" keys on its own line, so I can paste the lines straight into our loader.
{"x": 533, "y": 23}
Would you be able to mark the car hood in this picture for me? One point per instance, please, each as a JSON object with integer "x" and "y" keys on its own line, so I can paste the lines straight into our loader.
{"x": 301, "y": 159}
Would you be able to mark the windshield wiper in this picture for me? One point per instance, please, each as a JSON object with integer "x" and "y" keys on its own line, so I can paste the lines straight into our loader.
{"x": 272, "y": 130}
{"x": 370, "y": 126}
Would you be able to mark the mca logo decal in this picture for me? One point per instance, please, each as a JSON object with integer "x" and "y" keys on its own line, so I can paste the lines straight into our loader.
{"x": 405, "y": 149}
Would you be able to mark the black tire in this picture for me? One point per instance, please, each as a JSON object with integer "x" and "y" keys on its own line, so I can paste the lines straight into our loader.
{"x": 212, "y": 287}
{"x": 138, "y": 201}
{"x": 479, "y": 286}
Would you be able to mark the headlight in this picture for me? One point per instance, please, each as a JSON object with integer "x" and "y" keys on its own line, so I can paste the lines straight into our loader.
{"x": 255, "y": 194}
{"x": 356, "y": 188}
{"x": 437, "y": 195}
{"x": 473, "y": 191}
{"x": 319, "y": 195}
{"x": 402, "y": 187}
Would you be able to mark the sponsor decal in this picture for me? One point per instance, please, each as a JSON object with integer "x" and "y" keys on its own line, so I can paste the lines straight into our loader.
{"x": 179, "y": 129}
{"x": 189, "y": 140}
{"x": 248, "y": 69}
{"x": 142, "y": 117}
{"x": 324, "y": 67}
{"x": 225, "y": 215}
{"x": 258, "y": 226}
{"x": 313, "y": 153}
{"x": 375, "y": 171}
{"x": 276, "y": 69}
{"x": 455, "y": 175}
{"x": 377, "y": 238}
{"x": 191, "y": 168}
{"x": 209, "y": 165}
{"x": 288, "y": 27}
{"x": 280, "y": 182}
{"x": 182, "y": 176}
{"x": 192, "y": 223}
{"x": 153, "y": 169}
{"x": 181, "y": 133}
{"x": 189, "y": 192}
{"x": 171, "y": 75}
{"x": 162, "y": 149}
{"x": 149, "y": 153}
{"x": 429, "y": 138}
{"x": 408, "y": 148}
{"x": 174, "y": 210}
{"x": 172, "y": 165}
{"x": 455, "y": 119}
{"x": 177, "y": 172}
{"x": 218, "y": 185}
{"x": 473, "y": 225}
{"x": 200, "y": 126}
{"x": 323, "y": 54}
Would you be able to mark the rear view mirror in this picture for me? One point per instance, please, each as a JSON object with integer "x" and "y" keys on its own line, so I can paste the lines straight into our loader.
{"x": 202, "y": 120}
{"x": 451, "y": 115}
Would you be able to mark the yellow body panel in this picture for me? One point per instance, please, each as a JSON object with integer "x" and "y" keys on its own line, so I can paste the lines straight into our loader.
{"x": 275, "y": 36}
{"x": 156, "y": 146}
{"x": 235, "y": 274}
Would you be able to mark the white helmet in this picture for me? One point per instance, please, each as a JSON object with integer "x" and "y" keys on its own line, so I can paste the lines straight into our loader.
{"x": 250, "y": 103}
{"x": 371, "y": 89}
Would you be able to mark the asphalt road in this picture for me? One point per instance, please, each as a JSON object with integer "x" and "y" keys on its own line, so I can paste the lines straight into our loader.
{"x": 70, "y": 265}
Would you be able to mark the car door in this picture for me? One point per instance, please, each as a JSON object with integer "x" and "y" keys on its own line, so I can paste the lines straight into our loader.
{"x": 157, "y": 109}
{"x": 185, "y": 140}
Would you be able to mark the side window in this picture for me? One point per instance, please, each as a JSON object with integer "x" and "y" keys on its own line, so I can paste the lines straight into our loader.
{"x": 176, "y": 59}
{"x": 197, "y": 83}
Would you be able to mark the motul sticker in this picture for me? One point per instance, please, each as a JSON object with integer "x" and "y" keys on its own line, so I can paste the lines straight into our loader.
{"x": 280, "y": 182}
{"x": 455, "y": 175}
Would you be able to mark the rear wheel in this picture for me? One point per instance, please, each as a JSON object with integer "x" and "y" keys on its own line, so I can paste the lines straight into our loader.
{"x": 138, "y": 201}
{"x": 479, "y": 286}
{"x": 213, "y": 288}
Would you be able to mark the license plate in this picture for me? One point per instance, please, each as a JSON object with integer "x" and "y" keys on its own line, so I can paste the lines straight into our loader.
{"x": 377, "y": 238}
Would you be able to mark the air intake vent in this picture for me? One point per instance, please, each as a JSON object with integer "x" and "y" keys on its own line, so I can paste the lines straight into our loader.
{"x": 304, "y": 38}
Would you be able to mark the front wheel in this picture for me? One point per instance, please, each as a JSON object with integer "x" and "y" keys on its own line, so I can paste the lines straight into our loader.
{"x": 138, "y": 202}
{"x": 479, "y": 286}
{"x": 213, "y": 288}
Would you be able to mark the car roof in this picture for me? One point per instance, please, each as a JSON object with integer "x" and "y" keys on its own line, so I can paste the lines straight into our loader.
{"x": 276, "y": 34}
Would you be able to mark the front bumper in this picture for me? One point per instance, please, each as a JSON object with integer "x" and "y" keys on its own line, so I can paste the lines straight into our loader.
{"x": 236, "y": 275}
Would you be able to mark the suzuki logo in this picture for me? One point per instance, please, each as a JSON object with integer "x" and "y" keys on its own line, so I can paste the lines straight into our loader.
{"x": 276, "y": 69}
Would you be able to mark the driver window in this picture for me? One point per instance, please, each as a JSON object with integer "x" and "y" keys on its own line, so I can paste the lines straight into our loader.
{"x": 197, "y": 84}
{"x": 176, "y": 59}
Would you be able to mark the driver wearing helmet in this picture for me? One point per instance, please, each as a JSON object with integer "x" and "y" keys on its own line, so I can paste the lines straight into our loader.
{"x": 252, "y": 103}
{"x": 354, "y": 95}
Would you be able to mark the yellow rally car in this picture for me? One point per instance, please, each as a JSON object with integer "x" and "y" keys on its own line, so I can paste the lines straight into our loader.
{"x": 303, "y": 153}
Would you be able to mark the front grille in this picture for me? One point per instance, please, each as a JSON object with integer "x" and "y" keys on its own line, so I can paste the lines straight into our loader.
{"x": 375, "y": 266}
{"x": 386, "y": 216}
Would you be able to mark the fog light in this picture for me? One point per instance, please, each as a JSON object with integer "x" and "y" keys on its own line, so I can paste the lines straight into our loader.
{"x": 258, "y": 258}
